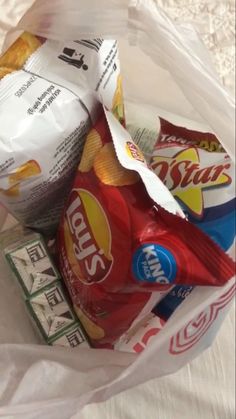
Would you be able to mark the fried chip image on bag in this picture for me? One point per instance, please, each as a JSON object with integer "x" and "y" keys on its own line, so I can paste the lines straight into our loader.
{"x": 116, "y": 245}
{"x": 21, "y": 174}
{"x": 4, "y": 71}
{"x": 109, "y": 170}
{"x": 13, "y": 191}
{"x": 92, "y": 146}
{"x": 16, "y": 56}
{"x": 25, "y": 171}
{"x": 118, "y": 102}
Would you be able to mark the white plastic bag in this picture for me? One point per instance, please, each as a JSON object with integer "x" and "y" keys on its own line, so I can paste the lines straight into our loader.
{"x": 164, "y": 66}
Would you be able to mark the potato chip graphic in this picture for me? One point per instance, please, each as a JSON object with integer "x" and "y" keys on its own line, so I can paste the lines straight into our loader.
{"x": 93, "y": 330}
{"x": 118, "y": 101}
{"x": 25, "y": 171}
{"x": 22, "y": 173}
{"x": 4, "y": 71}
{"x": 109, "y": 170}
{"x": 92, "y": 146}
{"x": 13, "y": 191}
{"x": 16, "y": 56}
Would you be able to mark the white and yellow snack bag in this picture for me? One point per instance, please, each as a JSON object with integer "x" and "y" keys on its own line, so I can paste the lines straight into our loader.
{"x": 48, "y": 100}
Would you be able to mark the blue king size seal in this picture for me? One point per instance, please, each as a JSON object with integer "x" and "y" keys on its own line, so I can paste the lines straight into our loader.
{"x": 154, "y": 263}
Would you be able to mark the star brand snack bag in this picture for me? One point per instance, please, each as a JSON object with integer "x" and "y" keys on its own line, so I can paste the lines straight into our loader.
{"x": 123, "y": 236}
{"x": 199, "y": 173}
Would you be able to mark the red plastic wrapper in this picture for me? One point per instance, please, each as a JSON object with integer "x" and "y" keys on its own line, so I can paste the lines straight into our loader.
{"x": 116, "y": 245}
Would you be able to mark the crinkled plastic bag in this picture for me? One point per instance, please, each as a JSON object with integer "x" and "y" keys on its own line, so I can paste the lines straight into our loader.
{"x": 164, "y": 66}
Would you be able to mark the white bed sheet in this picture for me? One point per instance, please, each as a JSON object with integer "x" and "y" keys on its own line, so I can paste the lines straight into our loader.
{"x": 206, "y": 387}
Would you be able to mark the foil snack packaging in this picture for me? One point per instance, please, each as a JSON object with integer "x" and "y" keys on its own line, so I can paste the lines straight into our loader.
{"x": 91, "y": 64}
{"x": 201, "y": 176}
{"x": 123, "y": 237}
{"x": 44, "y": 120}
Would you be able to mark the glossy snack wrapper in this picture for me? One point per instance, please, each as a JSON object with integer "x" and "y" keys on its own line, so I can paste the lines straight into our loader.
{"x": 201, "y": 176}
{"x": 45, "y": 116}
{"x": 92, "y": 64}
{"x": 152, "y": 319}
{"x": 123, "y": 236}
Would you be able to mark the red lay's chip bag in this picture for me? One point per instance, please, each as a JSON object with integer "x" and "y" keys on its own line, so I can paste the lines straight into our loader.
{"x": 117, "y": 243}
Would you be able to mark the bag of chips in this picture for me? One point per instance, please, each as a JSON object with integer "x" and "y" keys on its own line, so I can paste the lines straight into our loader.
{"x": 200, "y": 174}
{"x": 42, "y": 138}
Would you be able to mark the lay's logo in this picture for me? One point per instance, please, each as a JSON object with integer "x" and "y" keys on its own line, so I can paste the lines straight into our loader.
{"x": 184, "y": 177}
{"x": 87, "y": 238}
{"x": 134, "y": 152}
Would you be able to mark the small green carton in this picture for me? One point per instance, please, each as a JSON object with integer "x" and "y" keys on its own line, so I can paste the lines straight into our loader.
{"x": 51, "y": 310}
{"x": 29, "y": 259}
{"x": 72, "y": 337}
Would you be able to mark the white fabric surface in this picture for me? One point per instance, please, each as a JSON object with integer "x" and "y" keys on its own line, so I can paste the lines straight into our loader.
{"x": 206, "y": 387}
